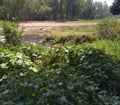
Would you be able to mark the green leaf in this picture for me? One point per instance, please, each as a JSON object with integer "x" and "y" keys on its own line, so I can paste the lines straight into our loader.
{"x": 5, "y": 92}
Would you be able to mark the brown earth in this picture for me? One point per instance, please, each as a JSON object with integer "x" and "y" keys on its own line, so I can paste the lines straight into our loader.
{"x": 53, "y": 24}
{"x": 46, "y": 25}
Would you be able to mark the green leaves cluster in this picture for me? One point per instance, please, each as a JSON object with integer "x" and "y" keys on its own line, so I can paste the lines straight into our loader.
{"x": 67, "y": 75}
{"x": 71, "y": 39}
{"x": 11, "y": 32}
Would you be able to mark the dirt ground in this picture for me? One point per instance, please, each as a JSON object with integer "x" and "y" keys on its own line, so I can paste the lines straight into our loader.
{"x": 40, "y": 25}
{"x": 53, "y": 24}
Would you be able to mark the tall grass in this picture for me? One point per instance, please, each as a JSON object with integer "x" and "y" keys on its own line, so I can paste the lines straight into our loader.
{"x": 109, "y": 28}
{"x": 109, "y": 46}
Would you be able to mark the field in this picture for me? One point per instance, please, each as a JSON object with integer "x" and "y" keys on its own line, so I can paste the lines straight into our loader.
{"x": 38, "y": 30}
{"x": 54, "y": 27}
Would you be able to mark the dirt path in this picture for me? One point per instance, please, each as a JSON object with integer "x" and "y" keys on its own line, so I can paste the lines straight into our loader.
{"x": 41, "y": 27}
{"x": 37, "y": 25}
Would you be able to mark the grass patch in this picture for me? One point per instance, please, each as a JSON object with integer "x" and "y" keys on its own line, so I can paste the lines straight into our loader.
{"x": 63, "y": 31}
{"x": 109, "y": 28}
{"x": 66, "y": 31}
{"x": 89, "y": 20}
{"x": 86, "y": 21}
{"x": 109, "y": 46}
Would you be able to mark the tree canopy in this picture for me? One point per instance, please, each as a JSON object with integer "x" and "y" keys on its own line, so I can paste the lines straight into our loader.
{"x": 52, "y": 9}
{"x": 115, "y": 8}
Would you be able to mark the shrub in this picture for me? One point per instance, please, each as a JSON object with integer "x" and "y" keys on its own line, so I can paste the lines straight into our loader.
{"x": 34, "y": 52}
{"x": 109, "y": 28}
{"x": 72, "y": 39}
{"x": 50, "y": 40}
{"x": 11, "y": 32}
{"x": 71, "y": 76}
{"x": 100, "y": 68}
{"x": 83, "y": 39}
{"x": 14, "y": 68}
{"x": 62, "y": 40}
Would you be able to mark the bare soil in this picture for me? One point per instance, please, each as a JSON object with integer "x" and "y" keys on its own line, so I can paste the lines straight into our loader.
{"x": 46, "y": 25}
{"x": 53, "y": 24}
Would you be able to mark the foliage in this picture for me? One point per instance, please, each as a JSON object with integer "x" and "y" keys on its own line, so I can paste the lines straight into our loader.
{"x": 71, "y": 39}
{"x": 115, "y": 9}
{"x": 61, "y": 75}
{"x": 12, "y": 68}
{"x": 67, "y": 75}
{"x": 11, "y": 32}
{"x": 109, "y": 46}
{"x": 84, "y": 39}
{"x": 109, "y": 28}
{"x": 59, "y": 10}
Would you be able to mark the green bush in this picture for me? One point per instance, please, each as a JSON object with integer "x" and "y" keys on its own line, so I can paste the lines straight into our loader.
{"x": 11, "y": 32}
{"x": 109, "y": 28}
{"x": 68, "y": 75}
{"x": 50, "y": 40}
{"x": 13, "y": 68}
{"x": 72, "y": 39}
{"x": 84, "y": 39}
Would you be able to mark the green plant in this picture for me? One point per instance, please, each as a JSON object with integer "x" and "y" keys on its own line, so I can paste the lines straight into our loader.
{"x": 109, "y": 46}
{"x": 11, "y": 32}
{"x": 65, "y": 75}
{"x": 71, "y": 39}
{"x": 50, "y": 40}
{"x": 109, "y": 28}
{"x": 83, "y": 39}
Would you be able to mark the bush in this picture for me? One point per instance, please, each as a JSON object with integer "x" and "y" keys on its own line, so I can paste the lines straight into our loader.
{"x": 72, "y": 39}
{"x": 83, "y": 39}
{"x": 14, "y": 67}
{"x": 50, "y": 40}
{"x": 109, "y": 28}
{"x": 71, "y": 76}
{"x": 11, "y": 32}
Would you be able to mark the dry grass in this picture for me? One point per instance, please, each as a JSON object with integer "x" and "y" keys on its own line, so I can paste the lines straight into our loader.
{"x": 61, "y": 31}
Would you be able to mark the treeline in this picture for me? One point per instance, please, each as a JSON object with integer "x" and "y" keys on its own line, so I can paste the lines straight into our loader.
{"x": 115, "y": 8}
{"x": 61, "y": 10}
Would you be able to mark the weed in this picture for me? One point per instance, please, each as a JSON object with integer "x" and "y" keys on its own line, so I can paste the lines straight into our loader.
{"x": 11, "y": 32}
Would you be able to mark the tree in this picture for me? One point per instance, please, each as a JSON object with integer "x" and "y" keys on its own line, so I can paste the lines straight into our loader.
{"x": 62, "y": 9}
{"x": 101, "y": 10}
{"x": 89, "y": 11}
{"x": 25, "y": 10}
{"x": 115, "y": 8}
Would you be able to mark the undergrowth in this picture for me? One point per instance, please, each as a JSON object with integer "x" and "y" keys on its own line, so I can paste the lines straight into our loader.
{"x": 65, "y": 74}
{"x": 61, "y": 75}
{"x": 69, "y": 40}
